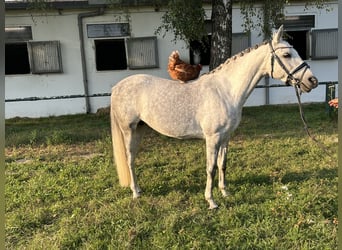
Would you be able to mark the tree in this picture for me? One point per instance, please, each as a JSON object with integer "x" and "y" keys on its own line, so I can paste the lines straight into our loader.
{"x": 221, "y": 41}
{"x": 186, "y": 20}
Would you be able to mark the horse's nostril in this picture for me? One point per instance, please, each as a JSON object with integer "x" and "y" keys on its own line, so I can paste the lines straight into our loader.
{"x": 314, "y": 81}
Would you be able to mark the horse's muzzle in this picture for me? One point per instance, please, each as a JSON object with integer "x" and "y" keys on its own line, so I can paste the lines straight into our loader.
{"x": 309, "y": 84}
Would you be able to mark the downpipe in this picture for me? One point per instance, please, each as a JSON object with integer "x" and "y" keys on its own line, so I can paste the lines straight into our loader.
{"x": 80, "y": 18}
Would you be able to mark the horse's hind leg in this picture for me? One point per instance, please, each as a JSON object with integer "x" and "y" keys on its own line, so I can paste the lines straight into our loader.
{"x": 138, "y": 135}
{"x": 133, "y": 137}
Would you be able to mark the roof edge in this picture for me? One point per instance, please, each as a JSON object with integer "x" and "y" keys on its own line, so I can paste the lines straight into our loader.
{"x": 50, "y": 5}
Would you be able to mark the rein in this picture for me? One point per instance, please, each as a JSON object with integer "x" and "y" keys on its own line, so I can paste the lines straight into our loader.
{"x": 296, "y": 83}
{"x": 306, "y": 128}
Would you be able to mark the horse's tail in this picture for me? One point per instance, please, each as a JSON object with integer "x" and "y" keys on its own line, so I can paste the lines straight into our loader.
{"x": 119, "y": 151}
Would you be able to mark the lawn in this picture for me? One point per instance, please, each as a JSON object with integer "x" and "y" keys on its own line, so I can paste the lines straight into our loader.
{"x": 62, "y": 190}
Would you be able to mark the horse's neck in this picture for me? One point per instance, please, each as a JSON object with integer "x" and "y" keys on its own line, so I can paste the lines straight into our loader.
{"x": 241, "y": 75}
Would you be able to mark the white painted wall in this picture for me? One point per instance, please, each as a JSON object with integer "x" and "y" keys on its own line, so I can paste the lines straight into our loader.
{"x": 48, "y": 27}
{"x": 144, "y": 21}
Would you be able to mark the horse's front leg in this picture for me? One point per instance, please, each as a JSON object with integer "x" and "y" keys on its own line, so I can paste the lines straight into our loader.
{"x": 212, "y": 152}
{"x": 221, "y": 163}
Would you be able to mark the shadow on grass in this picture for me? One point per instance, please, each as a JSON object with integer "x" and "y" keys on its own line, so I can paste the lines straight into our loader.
{"x": 306, "y": 175}
{"x": 196, "y": 184}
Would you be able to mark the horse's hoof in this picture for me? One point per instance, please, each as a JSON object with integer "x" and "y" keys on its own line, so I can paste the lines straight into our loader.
{"x": 224, "y": 193}
{"x": 136, "y": 195}
{"x": 212, "y": 205}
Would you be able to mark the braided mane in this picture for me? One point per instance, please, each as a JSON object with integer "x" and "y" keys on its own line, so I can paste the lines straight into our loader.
{"x": 238, "y": 55}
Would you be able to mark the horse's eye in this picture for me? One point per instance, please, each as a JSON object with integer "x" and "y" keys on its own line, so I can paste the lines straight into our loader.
{"x": 287, "y": 55}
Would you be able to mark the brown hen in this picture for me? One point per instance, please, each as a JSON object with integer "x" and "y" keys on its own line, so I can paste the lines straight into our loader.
{"x": 180, "y": 70}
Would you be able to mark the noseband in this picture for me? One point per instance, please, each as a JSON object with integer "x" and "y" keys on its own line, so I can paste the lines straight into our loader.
{"x": 290, "y": 74}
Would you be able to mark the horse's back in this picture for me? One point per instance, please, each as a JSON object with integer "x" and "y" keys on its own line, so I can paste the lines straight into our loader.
{"x": 138, "y": 81}
{"x": 158, "y": 89}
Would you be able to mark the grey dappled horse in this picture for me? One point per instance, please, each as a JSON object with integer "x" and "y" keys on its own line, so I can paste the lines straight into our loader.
{"x": 208, "y": 108}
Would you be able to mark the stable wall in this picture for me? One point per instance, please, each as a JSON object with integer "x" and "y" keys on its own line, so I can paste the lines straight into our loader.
{"x": 51, "y": 26}
{"x": 63, "y": 26}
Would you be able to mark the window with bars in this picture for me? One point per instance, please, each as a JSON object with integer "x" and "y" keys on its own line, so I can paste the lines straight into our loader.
{"x": 240, "y": 42}
{"x": 324, "y": 44}
{"x": 142, "y": 53}
{"x": 45, "y": 57}
{"x": 108, "y": 30}
{"x": 18, "y": 34}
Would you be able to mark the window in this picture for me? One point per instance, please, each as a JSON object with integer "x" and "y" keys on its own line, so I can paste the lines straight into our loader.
{"x": 18, "y": 34}
{"x": 304, "y": 22}
{"x": 324, "y": 44}
{"x": 121, "y": 52}
{"x": 16, "y": 53}
{"x": 240, "y": 42}
{"x": 142, "y": 52}
{"x": 16, "y": 59}
{"x": 45, "y": 57}
{"x": 23, "y": 56}
{"x": 200, "y": 51}
{"x": 32, "y": 57}
{"x": 300, "y": 41}
{"x": 297, "y": 30}
{"x": 108, "y": 30}
{"x": 110, "y": 54}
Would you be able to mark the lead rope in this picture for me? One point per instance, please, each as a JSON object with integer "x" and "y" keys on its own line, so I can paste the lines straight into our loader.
{"x": 323, "y": 147}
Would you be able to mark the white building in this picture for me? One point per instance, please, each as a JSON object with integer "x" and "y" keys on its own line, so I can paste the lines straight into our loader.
{"x": 65, "y": 60}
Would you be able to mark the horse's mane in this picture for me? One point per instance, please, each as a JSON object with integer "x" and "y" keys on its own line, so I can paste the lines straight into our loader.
{"x": 238, "y": 55}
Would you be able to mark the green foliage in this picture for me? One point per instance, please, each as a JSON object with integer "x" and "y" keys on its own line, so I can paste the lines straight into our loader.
{"x": 65, "y": 194}
{"x": 320, "y": 4}
{"x": 267, "y": 16}
{"x": 185, "y": 19}
{"x": 41, "y": 5}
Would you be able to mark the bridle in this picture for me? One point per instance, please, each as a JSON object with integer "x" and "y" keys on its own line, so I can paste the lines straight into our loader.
{"x": 290, "y": 74}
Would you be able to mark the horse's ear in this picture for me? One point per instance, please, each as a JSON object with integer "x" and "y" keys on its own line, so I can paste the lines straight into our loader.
{"x": 278, "y": 35}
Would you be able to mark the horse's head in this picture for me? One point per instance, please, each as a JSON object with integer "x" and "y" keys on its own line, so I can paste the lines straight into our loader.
{"x": 287, "y": 66}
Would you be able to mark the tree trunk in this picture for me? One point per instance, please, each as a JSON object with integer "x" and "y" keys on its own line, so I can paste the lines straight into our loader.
{"x": 221, "y": 41}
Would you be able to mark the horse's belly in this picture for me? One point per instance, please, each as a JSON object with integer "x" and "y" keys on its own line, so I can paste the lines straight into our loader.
{"x": 177, "y": 128}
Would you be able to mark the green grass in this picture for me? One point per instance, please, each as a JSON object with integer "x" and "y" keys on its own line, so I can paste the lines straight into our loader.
{"x": 62, "y": 190}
